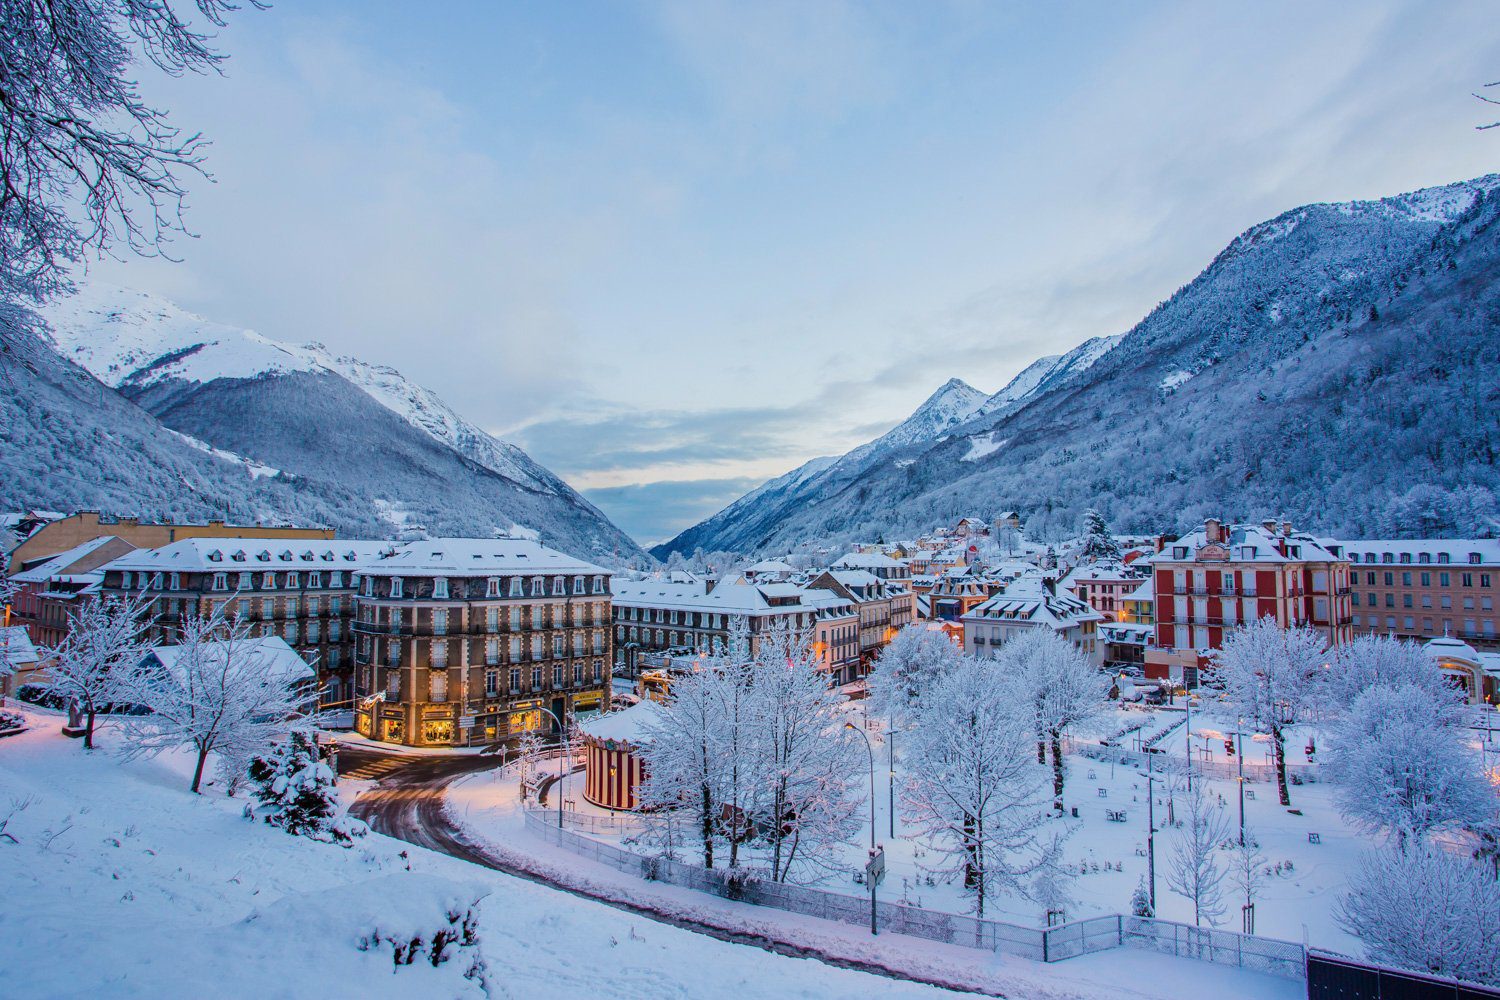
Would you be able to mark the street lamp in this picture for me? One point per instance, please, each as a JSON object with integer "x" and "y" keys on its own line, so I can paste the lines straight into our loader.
{"x": 870, "y": 749}
{"x": 891, "y": 748}
{"x": 566, "y": 761}
{"x": 1239, "y": 757}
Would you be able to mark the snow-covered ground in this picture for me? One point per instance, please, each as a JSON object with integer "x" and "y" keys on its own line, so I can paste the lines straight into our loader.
{"x": 121, "y": 883}
{"x": 487, "y": 806}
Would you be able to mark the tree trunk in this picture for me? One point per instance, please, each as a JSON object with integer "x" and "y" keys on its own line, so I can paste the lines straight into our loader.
{"x": 1041, "y": 748}
{"x": 1057, "y": 770}
{"x": 708, "y": 828}
{"x": 198, "y": 771}
{"x": 1278, "y": 743}
{"x": 88, "y": 730}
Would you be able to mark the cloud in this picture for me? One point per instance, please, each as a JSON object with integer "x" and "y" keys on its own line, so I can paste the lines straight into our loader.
{"x": 655, "y": 512}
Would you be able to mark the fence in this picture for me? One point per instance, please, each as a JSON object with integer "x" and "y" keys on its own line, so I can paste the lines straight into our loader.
{"x": 1226, "y": 770}
{"x": 1333, "y": 977}
{"x": 1051, "y": 944}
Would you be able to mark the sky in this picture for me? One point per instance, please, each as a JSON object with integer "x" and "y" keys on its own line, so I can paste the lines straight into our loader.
{"x": 674, "y": 249}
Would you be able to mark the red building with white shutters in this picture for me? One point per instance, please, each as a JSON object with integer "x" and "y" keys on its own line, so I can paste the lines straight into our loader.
{"x": 1225, "y": 575}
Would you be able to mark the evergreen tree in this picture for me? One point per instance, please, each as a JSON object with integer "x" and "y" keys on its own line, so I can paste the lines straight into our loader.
{"x": 1140, "y": 900}
{"x": 296, "y": 792}
{"x": 1098, "y": 544}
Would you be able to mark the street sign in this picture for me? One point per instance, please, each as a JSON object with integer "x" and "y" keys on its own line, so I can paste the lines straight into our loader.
{"x": 875, "y": 867}
{"x": 466, "y": 722}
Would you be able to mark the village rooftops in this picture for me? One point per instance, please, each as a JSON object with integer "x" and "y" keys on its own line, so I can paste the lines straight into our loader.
{"x": 1030, "y": 599}
{"x": 461, "y": 557}
{"x": 726, "y": 598}
{"x": 868, "y": 561}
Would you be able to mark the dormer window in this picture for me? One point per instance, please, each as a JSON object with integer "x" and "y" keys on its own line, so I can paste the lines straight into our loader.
{"x": 221, "y": 581}
{"x": 538, "y": 587}
{"x": 1406, "y": 557}
{"x": 492, "y": 587}
{"x": 559, "y": 586}
{"x": 1443, "y": 557}
{"x": 307, "y": 556}
{"x": 1424, "y": 557}
{"x": 598, "y": 584}
{"x": 175, "y": 582}
{"x": 247, "y": 580}
{"x": 315, "y": 580}
{"x": 440, "y": 587}
{"x": 1475, "y": 558}
{"x": 336, "y": 578}
{"x": 285, "y": 556}
{"x": 395, "y": 586}
{"x": 268, "y": 581}
{"x": 238, "y": 556}
{"x": 516, "y": 586}
{"x": 293, "y": 581}
{"x": 1179, "y": 552}
{"x": 263, "y": 556}
{"x": 578, "y": 586}
{"x": 327, "y": 557}
{"x": 1386, "y": 557}
{"x": 216, "y": 556}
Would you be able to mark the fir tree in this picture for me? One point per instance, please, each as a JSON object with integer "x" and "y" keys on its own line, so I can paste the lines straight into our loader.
{"x": 296, "y": 792}
{"x": 1140, "y": 900}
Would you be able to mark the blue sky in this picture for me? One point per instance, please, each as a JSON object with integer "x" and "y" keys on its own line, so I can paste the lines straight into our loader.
{"x": 674, "y": 249}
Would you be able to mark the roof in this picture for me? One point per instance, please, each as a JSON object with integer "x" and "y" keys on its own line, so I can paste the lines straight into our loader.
{"x": 1456, "y": 549}
{"x": 476, "y": 557}
{"x": 1250, "y": 543}
{"x": 770, "y": 566}
{"x": 16, "y": 647}
{"x": 1027, "y": 600}
{"x": 1145, "y": 592}
{"x": 867, "y": 560}
{"x": 215, "y": 554}
{"x": 55, "y": 565}
{"x": 625, "y": 726}
{"x": 727, "y": 598}
{"x": 284, "y": 660}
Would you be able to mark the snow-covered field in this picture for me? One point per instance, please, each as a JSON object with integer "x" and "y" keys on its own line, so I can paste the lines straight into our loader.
{"x": 121, "y": 883}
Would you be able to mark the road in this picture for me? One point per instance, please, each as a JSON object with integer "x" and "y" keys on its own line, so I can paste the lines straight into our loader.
{"x": 408, "y": 804}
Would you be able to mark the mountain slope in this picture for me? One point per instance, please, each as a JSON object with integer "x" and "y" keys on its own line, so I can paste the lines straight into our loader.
{"x": 373, "y": 454}
{"x": 1047, "y": 373}
{"x": 1338, "y": 364}
{"x": 760, "y": 510}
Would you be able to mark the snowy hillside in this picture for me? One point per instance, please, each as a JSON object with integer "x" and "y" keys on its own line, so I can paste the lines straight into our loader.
{"x": 360, "y": 448}
{"x": 1335, "y": 364}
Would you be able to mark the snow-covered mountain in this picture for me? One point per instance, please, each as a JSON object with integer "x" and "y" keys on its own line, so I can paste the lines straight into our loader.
{"x": 385, "y": 455}
{"x": 1337, "y": 364}
{"x": 1044, "y": 374}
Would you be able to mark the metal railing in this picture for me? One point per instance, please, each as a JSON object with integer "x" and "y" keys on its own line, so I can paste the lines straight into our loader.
{"x": 1049, "y": 944}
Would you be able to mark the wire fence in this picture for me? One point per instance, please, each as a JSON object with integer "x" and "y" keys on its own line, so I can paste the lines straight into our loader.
{"x": 1049, "y": 944}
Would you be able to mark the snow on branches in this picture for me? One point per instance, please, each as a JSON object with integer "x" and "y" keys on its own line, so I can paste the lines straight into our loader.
{"x": 914, "y": 658}
{"x": 102, "y": 645}
{"x": 296, "y": 791}
{"x": 1063, "y": 688}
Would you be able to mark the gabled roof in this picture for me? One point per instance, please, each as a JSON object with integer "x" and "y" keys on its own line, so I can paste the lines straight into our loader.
{"x": 284, "y": 661}
{"x": 16, "y": 647}
{"x": 60, "y": 563}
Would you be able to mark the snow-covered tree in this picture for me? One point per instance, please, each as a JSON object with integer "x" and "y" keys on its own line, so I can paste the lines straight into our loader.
{"x": 8, "y": 590}
{"x": 1426, "y": 909}
{"x": 907, "y": 666}
{"x": 1193, "y": 869}
{"x": 1098, "y": 544}
{"x": 221, "y": 691}
{"x": 1269, "y": 674}
{"x": 1062, "y": 687}
{"x": 1401, "y": 771}
{"x": 88, "y": 162}
{"x": 973, "y": 785}
{"x": 682, "y": 757}
{"x": 805, "y": 762}
{"x": 1371, "y": 660}
{"x": 1140, "y": 900}
{"x": 296, "y": 791}
{"x": 103, "y": 642}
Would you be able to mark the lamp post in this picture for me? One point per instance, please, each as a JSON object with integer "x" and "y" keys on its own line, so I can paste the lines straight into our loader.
{"x": 566, "y": 761}
{"x": 870, "y": 749}
{"x": 1239, "y": 757}
{"x": 1151, "y": 828}
{"x": 891, "y": 748}
{"x": 1187, "y": 703}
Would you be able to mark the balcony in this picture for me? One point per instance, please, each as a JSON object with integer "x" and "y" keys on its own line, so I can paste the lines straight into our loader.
{"x": 1229, "y": 593}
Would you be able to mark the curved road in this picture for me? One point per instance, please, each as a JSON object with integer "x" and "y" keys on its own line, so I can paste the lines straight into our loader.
{"x": 408, "y": 804}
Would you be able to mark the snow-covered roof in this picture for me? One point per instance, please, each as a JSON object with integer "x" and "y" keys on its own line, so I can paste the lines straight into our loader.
{"x": 56, "y": 564}
{"x": 1145, "y": 592}
{"x": 625, "y": 726}
{"x": 1027, "y": 599}
{"x": 867, "y": 560}
{"x": 16, "y": 647}
{"x": 1251, "y": 543}
{"x": 476, "y": 557}
{"x": 1421, "y": 551}
{"x": 727, "y": 598}
{"x": 770, "y": 566}
{"x": 283, "y": 660}
{"x": 260, "y": 554}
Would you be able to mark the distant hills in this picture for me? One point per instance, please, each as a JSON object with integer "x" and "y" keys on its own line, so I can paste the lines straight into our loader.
{"x": 1339, "y": 364}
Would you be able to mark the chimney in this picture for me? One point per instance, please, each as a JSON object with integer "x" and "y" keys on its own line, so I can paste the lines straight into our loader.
{"x": 1286, "y": 528}
{"x": 1270, "y": 525}
{"x": 1211, "y": 529}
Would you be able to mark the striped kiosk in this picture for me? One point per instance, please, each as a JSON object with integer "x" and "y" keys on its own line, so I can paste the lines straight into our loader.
{"x": 613, "y": 768}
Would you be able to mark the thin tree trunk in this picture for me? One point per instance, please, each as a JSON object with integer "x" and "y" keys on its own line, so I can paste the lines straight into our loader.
{"x": 88, "y": 730}
{"x": 198, "y": 771}
{"x": 1057, "y": 770}
{"x": 1278, "y": 742}
{"x": 708, "y": 828}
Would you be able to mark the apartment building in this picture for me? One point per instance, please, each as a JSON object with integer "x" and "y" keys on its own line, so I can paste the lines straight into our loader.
{"x": 62, "y": 534}
{"x": 1424, "y": 589}
{"x": 465, "y": 641}
{"x": 1030, "y": 602}
{"x": 886, "y": 606}
{"x": 1224, "y": 575}
{"x": 301, "y": 590}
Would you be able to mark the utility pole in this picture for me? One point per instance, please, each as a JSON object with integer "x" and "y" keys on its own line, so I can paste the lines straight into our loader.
{"x": 1187, "y": 703}
{"x": 891, "y": 746}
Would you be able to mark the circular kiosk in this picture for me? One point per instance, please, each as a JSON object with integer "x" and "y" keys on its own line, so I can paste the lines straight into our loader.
{"x": 612, "y": 767}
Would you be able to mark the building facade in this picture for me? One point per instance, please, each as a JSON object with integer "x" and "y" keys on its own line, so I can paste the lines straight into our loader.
{"x": 1425, "y": 589}
{"x": 1031, "y": 602}
{"x": 1222, "y": 576}
{"x": 475, "y": 641}
{"x": 64, "y": 533}
{"x": 48, "y": 593}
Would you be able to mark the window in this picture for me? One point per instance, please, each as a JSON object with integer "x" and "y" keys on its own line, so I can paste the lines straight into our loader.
{"x": 1354, "y": 599}
{"x": 175, "y": 582}
{"x": 439, "y": 654}
{"x": 1426, "y": 579}
{"x": 1443, "y": 579}
{"x": 559, "y": 645}
{"x": 334, "y": 604}
{"x": 439, "y": 621}
{"x": 437, "y": 681}
{"x": 578, "y": 585}
{"x": 395, "y": 586}
{"x": 245, "y": 581}
{"x": 334, "y": 630}
{"x": 336, "y": 579}
{"x": 393, "y": 684}
{"x": 492, "y": 587}
{"x": 536, "y": 647}
{"x": 515, "y": 679}
{"x": 1426, "y": 600}
{"x": 293, "y": 581}
{"x": 221, "y": 581}
{"x": 492, "y": 619}
{"x": 1406, "y": 579}
{"x": 492, "y": 651}
{"x": 1468, "y": 580}
{"x": 440, "y": 587}
{"x": 598, "y": 584}
{"x": 491, "y": 683}
{"x": 515, "y": 649}
{"x": 1390, "y": 600}
{"x": 1408, "y": 623}
{"x": 369, "y": 586}
{"x": 1406, "y": 600}
{"x": 1442, "y": 557}
{"x": 291, "y": 633}
{"x": 536, "y": 678}
{"x": 515, "y": 618}
{"x": 314, "y": 580}
{"x": 538, "y": 586}
{"x": 1447, "y": 601}
{"x": 1484, "y": 579}
{"x": 515, "y": 587}
{"x": 557, "y": 676}
{"x": 598, "y": 671}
